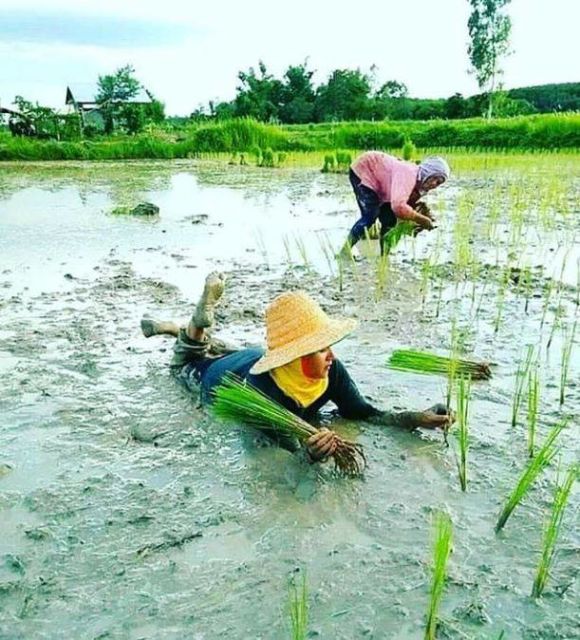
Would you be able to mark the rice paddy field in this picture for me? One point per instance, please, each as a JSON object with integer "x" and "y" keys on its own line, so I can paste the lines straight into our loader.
{"x": 126, "y": 511}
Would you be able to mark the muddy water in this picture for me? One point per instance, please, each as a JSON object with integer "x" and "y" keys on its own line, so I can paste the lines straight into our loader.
{"x": 125, "y": 512}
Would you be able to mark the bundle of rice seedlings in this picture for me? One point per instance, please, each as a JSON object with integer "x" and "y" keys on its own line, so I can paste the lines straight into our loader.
{"x": 441, "y": 551}
{"x": 235, "y": 399}
{"x": 552, "y": 530}
{"x": 392, "y": 238}
{"x": 429, "y": 363}
{"x": 544, "y": 456}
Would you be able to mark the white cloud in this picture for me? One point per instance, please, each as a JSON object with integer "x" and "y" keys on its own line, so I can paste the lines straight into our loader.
{"x": 421, "y": 43}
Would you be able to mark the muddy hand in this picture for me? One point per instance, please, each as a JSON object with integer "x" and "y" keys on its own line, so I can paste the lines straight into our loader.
{"x": 322, "y": 444}
{"x": 437, "y": 416}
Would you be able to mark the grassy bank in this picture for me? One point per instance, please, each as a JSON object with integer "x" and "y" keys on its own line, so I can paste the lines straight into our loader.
{"x": 540, "y": 132}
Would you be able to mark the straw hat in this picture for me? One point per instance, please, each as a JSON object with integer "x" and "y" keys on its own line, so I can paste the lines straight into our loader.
{"x": 297, "y": 326}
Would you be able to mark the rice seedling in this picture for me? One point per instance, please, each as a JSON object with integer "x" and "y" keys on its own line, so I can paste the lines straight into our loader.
{"x": 409, "y": 150}
{"x": 392, "y": 238}
{"x": 500, "y": 301}
{"x": 441, "y": 551}
{"x": 301, "y": 246}
{"x": 544, "y": 456}
{"x": 238, "y": 400}
{"x": 463, "y": 392}
{"x": 533, "y": 403}
{"x": 521, "y": 377}
{"x": 430, "y": 363}
{"x": 567, "y": 346}
{"x": 262, "y": 248}
{"x": 552, "y": 530}
{"x": 558, "y": 313}
{"x": 328, "y": 251}
{"x": 548, "y": 290}
{"x": 286, "y": 241}
{"x": 298, "y": 600}
{"x": 382, "y": 271}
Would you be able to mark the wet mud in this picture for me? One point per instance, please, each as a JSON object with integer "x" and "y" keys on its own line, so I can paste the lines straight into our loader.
{"x": 126, "y": 511}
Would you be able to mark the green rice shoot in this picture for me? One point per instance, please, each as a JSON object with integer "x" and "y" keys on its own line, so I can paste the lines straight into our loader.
{"x": 567, "y": 347}
{"x": 432, "y": 364}
{"x": 463, "y": 392}
{"x": 441, "y": 551}
{"x": 533, "y": 404}
{"x": 552, "y": 530}
{"x": 543, "y": 458}
{"x": 393, "y": 236}
{"x": 521, "y": 376}
{"x": 298, "y": 601}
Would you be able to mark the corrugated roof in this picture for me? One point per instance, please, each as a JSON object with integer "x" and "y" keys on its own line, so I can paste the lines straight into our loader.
{"x": 85, "y": 92}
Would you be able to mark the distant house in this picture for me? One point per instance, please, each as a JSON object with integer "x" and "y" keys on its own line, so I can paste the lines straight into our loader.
{"x": 82, "y": 98}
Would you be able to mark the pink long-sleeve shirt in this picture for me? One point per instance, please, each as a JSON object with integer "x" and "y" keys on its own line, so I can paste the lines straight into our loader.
{"x": 392, "y": 180}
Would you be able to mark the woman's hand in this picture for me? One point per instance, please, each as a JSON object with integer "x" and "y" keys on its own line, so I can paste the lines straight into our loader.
{"x": 437, "y": 416}
{"x": 321, "y": 445}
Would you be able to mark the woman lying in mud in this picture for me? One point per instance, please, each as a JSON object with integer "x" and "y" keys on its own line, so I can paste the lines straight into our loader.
{"x": 389, "y": 189}
{"x": 298, "y": 369}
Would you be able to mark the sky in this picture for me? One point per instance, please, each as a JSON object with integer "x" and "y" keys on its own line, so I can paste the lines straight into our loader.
{"x": 190, "y": 52}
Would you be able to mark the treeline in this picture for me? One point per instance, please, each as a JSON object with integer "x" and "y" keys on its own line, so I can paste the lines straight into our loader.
{"x": 256, "y": 139}
{"x": 352, "y": 95}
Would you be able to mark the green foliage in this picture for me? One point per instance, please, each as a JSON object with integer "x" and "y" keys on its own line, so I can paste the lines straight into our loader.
{"x": 489, "y": 31}
{"x": 115, "y": 92}
{"x": 41, "y": 122}
{"x": 259, "y": 94}
{"x": 344, "y": 97}
{"x": 243, "y": 135}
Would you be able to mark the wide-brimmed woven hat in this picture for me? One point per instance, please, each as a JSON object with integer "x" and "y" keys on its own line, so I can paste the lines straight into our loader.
{"x": 297, "y": 326}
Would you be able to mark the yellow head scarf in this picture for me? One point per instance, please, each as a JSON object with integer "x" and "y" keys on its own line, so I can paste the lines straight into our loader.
{"x": 290, "y": 379}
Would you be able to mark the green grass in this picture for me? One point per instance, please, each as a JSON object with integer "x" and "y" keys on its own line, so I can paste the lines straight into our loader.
{"x": 441, "y": 551}
{"x": 298, "y": 601}
{"x": 544, "y": 456}
{"x": 430, "y": 363}
{"x": 552, "y": 530}
{"x": 545, "y": 132}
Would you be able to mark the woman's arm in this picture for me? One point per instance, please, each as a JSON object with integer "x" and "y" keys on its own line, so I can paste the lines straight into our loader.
{"x": 352, "y": 405}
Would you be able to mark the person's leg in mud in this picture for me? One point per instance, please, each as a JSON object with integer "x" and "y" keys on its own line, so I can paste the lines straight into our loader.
{"x": 368, "y": 203}
{"x": 388, "y": 220}
{"x": 193, "y": 350}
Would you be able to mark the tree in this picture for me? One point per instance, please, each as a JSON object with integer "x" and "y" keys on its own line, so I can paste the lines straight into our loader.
{"x": 393, "y": 89}
{"x": 259, "y": 95}
{"x": 297, "y": 95}
{"x": 344, "y": 97}
{"x": 489, "y": 31}
{"x": 114, "y": 91}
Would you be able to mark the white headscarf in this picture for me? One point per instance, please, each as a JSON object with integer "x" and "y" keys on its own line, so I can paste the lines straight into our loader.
{"x": 433, "y": 166}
